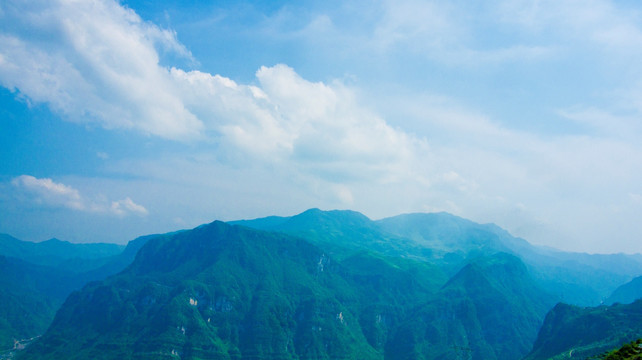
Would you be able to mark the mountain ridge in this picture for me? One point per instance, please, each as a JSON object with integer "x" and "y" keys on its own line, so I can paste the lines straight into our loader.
{"x": 326, "y": 284}
{"x": 206, "y": 292}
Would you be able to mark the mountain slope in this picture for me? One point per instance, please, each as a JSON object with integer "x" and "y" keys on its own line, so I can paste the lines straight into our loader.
{"x": 491, "y": 309}
{"x": 222, "y": 291}
{"x": 629, "y": 351}
{"x": 450, "y": 242}
{"x": 626, "y": 293}
{"x": 31, "y": 294}
{"x": 325, "y": 285}
{"x": 586, "y": 331}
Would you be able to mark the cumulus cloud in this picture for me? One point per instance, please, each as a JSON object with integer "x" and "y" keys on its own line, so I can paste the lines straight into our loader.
{"x": 122, "y": 207}
{"x": 49, "y": 192}
{"x": 98, "y": 62}
{"x": 311, "y": 125}
{"x": 101, "y": 65}
{"x": 46, "y": 192}
{"x": 93, "y": 61}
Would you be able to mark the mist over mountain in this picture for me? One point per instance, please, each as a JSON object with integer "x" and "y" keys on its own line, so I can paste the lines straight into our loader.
{"x": 449, "y": 241}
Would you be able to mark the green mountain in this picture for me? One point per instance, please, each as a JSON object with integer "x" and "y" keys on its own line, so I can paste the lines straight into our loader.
{"x": 231, "y": 292}
{"x": 586, "y": 332}
{"x": 341, "y": 232}
{"x": 450, "y": 242}
{"x": 218, "y": 292}
{"x": 629, "y": 351}
{"x": 491, "y": 309}
{"x": 626, "y": 293}
{"x": 330, "y": 285}
{"x": 33, "y": 292}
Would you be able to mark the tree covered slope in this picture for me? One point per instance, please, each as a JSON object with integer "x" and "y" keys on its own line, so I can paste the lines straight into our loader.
{"x": 586, "y": 332}
{"x": 230, "y": 292}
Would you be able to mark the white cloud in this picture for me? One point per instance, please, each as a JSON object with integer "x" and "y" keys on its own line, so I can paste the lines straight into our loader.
{"x": 49, "y": 192}
{"x": 317, "y": 127}
{"x": 46, "y": 192}
{"x": 100, "y": 65}
{"x": 121, "y": 207}
{"x": 315, "y": 142}
{"x": 93, "y": 61}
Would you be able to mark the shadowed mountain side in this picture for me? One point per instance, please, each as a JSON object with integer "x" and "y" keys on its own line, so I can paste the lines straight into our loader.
{"x": 491, "y": 309}
{"x": 626, "y": 293}
{"x": 32, "y": 293}
{"x": 586, "y": 332}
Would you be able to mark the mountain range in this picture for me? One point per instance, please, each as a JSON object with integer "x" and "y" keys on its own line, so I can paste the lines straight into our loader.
{"x": 36, "y": 278}
{"x": 329, "y": 285}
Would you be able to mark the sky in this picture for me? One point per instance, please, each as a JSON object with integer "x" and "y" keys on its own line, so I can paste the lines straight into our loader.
{"x": 120, "y": 119}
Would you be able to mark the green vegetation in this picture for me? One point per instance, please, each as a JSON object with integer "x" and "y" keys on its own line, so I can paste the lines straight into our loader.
{"x": 450, "y": 242}
{"x": 333, "y": 285}
{"x": 586, "y": 332}
{"x": 36, "y": 278}
{"x": 630, "y": 351}
{"x": 29, "y": 299}
{"x": 229, "y": 292}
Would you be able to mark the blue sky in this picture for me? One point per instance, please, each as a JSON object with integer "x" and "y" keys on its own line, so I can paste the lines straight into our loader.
{"x": 119, "y": 119}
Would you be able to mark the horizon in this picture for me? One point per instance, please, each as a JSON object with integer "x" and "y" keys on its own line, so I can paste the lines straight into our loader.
{"x": 126, "y": 118}
{"x": 126, "y": 241}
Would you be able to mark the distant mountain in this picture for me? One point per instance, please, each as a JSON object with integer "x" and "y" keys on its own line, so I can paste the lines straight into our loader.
{"x": 585, "y": 332}
{"x": 341, "y": 232}
{"x": 626, "y": 293}
{"x": 450, "y": 242}
{"x": 33, "y": 292}
{"x": 116, "y": 263}
{"x": 54, "y": 252}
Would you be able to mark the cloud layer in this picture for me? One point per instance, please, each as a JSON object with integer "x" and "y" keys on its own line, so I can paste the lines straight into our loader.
{"x": 48, "y": 193}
